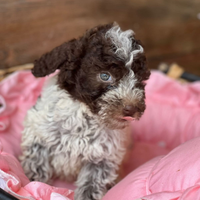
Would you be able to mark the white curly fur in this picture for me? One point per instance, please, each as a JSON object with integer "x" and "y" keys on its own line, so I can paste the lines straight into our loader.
{"x": 122, "y": 41}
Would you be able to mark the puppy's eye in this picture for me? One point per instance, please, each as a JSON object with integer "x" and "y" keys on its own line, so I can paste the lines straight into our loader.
{"x": 105, "y": 77}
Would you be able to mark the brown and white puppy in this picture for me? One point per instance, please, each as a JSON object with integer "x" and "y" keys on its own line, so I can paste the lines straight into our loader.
{"x": 75, "y": 130}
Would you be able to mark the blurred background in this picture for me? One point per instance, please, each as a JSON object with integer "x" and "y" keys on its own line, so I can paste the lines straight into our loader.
{"x": 169, "y": 30}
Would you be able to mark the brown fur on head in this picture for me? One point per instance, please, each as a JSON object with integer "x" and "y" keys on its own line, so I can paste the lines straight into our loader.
{"x": 101, "y": 50}
{"x": 68, "y": 55}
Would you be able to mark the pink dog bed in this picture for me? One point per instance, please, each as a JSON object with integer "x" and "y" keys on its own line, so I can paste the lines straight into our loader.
{"x": 166, "y": 143}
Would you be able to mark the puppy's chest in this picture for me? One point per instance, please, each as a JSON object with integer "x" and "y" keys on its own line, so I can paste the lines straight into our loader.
{"x": 79, "y": 136}
{"x": 77, "y": 133}
{"x": 82, "y": 136}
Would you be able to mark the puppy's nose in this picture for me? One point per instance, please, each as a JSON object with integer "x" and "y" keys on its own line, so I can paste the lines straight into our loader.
{"x": 129, "y": 110}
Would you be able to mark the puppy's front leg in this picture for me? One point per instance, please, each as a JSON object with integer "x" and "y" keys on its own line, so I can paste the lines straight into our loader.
{"x": 94, "y": 180}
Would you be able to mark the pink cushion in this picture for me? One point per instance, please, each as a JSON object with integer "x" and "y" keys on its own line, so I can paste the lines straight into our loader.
{"x": 174, "y": 176}
{"x": 171, "y": 118}
{"x": 172, "y": 114}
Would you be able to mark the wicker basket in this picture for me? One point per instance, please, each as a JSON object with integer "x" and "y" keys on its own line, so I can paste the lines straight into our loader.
{"x": 6, "y": 72}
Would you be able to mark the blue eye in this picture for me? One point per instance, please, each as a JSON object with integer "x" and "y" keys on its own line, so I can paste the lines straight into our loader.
{"x": 105, "y": 77}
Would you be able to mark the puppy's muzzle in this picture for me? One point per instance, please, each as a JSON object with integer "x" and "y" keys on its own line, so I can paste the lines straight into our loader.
{"x": 129, "y": 110}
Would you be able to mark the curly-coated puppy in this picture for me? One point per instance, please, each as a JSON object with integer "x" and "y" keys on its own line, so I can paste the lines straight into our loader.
{"x": 75, "y": 130}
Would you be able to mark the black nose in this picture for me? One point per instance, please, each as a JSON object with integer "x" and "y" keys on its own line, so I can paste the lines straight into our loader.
{"x": 129, "y": 110}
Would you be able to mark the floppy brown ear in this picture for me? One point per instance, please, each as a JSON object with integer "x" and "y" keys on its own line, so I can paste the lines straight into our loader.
{"x": 53, "y": 60}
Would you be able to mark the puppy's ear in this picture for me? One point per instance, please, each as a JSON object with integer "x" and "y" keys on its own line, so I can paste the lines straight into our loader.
{"x": 140, "y": 66}
{"x": 61, "y": 55}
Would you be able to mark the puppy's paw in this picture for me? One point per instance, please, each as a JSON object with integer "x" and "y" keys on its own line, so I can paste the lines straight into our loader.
{"x": 88, "y": 192}
{"x": 35, "y": 163}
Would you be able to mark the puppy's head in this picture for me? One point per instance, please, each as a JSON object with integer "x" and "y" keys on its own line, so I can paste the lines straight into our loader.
{"x": 105, "y": 69}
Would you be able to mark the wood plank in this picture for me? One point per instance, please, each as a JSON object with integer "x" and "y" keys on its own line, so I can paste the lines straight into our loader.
{"x": 168, "y": 29}
{"x": 189, "y": 61}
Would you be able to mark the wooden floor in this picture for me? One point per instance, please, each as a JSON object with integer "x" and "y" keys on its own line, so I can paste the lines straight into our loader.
{"x": 170, "y": 30}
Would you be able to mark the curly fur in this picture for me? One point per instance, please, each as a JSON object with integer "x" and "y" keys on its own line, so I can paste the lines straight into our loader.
{"x": 75, "y": 130}
{"x": 122, "y": 40}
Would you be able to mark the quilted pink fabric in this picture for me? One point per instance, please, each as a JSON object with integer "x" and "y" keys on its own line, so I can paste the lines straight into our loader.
{"x": 172, "y": 117}
{"x": 171, "y": 177}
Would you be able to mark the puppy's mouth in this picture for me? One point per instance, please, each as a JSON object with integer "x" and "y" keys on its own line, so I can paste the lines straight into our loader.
{"x": 125, "y": 119}
{"x": 128, "y": 118}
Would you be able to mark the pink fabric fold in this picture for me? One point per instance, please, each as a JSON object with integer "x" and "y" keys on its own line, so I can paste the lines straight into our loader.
{"x": 14, "y": 181}
{"x": 18, "y": 93}
{"x": 173, "y": 176}
{"x": 172, "y": 113}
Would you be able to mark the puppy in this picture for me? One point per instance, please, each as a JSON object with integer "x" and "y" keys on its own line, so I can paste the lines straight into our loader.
{"x": 76, "y": 129}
